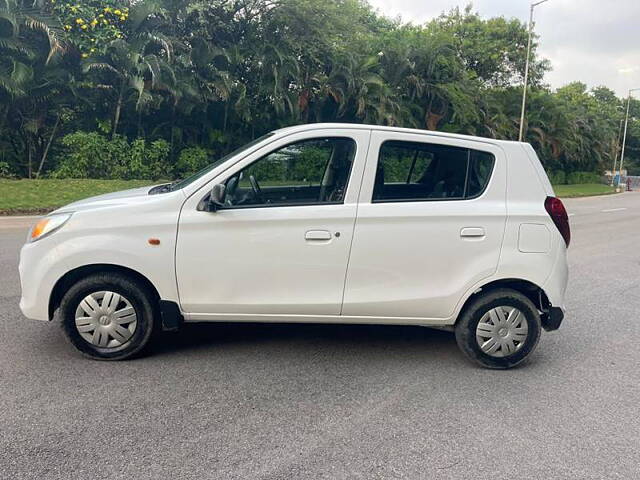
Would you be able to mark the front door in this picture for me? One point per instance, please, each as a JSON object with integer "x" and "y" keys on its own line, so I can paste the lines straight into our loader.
{"x": 430, "y": 225}
{"x": 280, "y": 244}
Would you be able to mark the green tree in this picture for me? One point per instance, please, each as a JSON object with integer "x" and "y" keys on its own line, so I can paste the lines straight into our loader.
{"x": 33, "y": 83}
{"x": 206, "y": 76}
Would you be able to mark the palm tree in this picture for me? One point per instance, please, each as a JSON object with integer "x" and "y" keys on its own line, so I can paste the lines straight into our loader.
{"x": 358, "y": 91}
{"x": 32, "y": 77}
{"x": 134, "y": 71}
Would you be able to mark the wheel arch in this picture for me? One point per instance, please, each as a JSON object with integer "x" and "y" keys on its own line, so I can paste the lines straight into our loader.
{"x": 533, "y": 292}
{"x": 72, "y": 276}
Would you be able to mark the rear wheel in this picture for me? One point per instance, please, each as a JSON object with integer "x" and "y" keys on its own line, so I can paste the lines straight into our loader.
{"x": 499, "y": 329}
{"x": 108, "y": 316}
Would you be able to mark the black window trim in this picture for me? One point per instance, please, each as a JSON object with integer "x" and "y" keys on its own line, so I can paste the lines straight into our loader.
{"x": 310, "y": 204}
{"x": 413, "y": 165}
{"x": 444, "y": 199}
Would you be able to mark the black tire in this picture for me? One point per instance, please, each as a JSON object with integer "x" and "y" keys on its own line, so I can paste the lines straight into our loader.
{"x": 468, "y": 321}
{"x": 136, "y": 293}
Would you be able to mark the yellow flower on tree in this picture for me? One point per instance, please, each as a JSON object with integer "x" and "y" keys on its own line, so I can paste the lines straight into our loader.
{"x": 94, "y": 22}
{"x": 123, "y": 18}
{"x": 107, "y": 9}
{"x": 67, "y": 27}
{"x": 83, "y": 27}
{"x": 85, "y": 55}
{"x": 117, "y": 12}
{"x": 79, "y": 21}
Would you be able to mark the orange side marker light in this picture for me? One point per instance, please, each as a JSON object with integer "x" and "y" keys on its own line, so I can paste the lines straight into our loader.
{"x": 39, "y": 228}
{"x": 154, "y": 241}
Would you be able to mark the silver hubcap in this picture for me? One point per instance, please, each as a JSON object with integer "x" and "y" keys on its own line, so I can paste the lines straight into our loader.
{"x": 502, "y": 331}
{"x": 106, "y": 319}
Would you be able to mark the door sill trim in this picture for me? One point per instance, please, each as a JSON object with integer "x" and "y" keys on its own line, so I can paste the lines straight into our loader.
{"x": 279, "y": 318}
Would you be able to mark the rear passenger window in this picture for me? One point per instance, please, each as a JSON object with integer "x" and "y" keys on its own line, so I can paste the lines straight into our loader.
{"x": 412, "y": 171}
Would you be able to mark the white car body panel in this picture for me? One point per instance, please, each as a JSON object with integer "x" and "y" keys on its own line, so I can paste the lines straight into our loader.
{"x": 111, "y": 231}
{"x": 402, "y": 262}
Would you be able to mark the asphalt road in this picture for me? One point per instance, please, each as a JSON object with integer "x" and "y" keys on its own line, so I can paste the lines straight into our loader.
{"x": 315, "y": 401}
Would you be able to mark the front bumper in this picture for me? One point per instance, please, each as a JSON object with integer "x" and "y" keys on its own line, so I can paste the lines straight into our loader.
{"x": 39, "y": 270}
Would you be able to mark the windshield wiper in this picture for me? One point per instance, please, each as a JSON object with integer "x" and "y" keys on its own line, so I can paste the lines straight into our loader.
{"x": 164, "y": 188}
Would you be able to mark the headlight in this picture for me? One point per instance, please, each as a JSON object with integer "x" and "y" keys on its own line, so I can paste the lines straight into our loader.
{"x": 48, "y": 225}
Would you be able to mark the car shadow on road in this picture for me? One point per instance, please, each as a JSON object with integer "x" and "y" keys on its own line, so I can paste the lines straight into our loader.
{"x": 198, "y": 336}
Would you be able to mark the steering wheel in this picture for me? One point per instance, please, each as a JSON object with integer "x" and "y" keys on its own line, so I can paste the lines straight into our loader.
{"x": 256, "y": 189}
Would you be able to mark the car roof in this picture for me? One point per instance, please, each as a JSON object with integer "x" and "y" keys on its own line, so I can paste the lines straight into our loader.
{"x": 362, "y": 126}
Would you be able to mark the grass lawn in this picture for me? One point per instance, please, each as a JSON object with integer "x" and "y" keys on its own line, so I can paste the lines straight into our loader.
{"x": 40, "y": 196}
{"x": 582, "y": 190}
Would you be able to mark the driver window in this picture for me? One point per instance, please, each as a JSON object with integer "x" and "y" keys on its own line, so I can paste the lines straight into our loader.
{"x": 308, "y": 172}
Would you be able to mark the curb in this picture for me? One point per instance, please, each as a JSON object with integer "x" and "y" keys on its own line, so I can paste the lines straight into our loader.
{"x": 613, "y": 194}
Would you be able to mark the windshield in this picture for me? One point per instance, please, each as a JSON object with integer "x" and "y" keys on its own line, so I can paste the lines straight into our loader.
{"x": 183, "y": 183}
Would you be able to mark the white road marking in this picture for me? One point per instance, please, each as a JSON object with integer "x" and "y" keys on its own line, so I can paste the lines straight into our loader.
{"x": 613, "y": 209}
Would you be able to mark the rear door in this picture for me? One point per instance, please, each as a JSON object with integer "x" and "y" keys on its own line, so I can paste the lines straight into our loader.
{"x": 430, "y": 225}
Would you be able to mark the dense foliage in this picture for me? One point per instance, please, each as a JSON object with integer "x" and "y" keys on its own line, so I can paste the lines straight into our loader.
{"x": 156, "y": 88}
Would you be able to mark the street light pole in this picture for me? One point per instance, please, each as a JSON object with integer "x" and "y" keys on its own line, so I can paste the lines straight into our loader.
{"x": 624, "y": 136}
{"x": 526, "y": 69}
{"x": 617, "y": 151}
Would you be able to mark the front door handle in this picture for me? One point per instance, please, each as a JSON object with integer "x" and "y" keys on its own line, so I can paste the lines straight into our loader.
{"x": 472, "y": 232}
{"x": 317, "y": 235}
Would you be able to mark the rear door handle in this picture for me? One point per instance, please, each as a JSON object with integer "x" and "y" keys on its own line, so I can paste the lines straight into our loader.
{"x": 472, "y": 232}
{"x": 317, "y": 235}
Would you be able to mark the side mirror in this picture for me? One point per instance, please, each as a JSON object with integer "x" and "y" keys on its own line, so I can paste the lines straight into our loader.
{"x": 216, "y": 197}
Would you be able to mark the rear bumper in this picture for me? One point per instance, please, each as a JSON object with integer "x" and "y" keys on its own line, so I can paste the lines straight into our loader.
{"x": 552, "y": 319}
{"x": 556, "y": 284}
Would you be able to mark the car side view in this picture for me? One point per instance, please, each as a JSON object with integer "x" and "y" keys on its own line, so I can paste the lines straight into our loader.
{"x": 327, "y": 223}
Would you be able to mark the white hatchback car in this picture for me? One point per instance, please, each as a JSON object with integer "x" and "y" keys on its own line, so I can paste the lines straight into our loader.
{"x": 329, "y": 223}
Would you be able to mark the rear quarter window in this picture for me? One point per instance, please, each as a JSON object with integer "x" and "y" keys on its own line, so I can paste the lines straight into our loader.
{"x": 480, "y": 168}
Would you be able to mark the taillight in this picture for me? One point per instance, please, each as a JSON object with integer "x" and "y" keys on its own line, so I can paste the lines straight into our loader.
{"x": 558, "y": 214}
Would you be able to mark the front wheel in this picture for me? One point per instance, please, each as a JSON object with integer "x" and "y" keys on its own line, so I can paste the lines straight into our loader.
{"x": 108, "y": 316}
{"x": 499, "y": 329}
